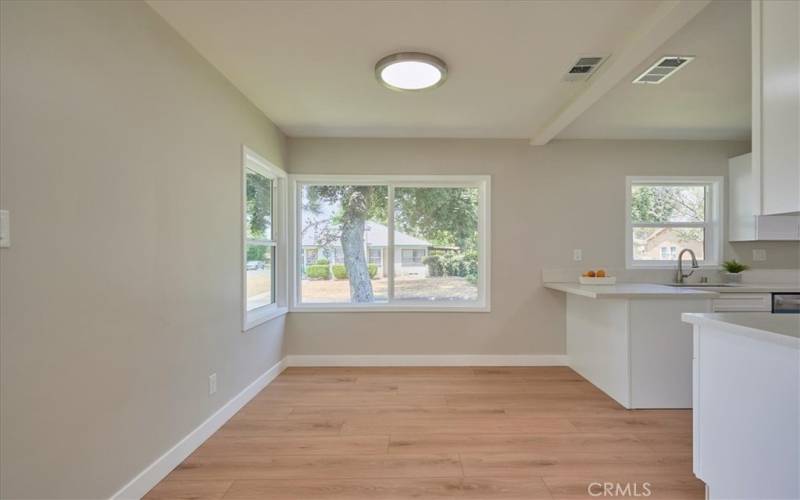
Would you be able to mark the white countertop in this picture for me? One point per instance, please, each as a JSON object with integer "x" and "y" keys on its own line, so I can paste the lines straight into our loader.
{"x": 755, "y": 288}
{"x": 632, "y": 291}
{"x": 778, "y": 328}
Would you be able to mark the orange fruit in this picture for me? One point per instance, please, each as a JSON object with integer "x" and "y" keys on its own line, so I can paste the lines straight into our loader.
{"x": 590, "y": 274}
{"x": 601, "y": 273}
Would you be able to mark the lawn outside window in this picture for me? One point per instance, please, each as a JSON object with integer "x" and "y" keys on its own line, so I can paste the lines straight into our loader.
{"x": 390, "y": 243}
{"x": 665, "y": 215}
{"x": 263, "y": 240}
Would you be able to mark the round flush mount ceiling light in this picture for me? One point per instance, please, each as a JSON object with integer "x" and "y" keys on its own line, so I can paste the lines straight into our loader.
{"x": 411, "y": 71}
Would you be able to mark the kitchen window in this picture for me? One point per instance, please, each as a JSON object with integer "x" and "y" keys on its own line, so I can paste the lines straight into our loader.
{"x": 665, "y": 215}
{"x": 398, "y": 243}
{"x": 263, "y": 240}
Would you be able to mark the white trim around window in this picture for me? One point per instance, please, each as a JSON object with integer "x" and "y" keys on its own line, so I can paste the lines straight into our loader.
{"x": 277, "y": 240}
{"x": 482, "y": 182}
{"x": 712, "y": 223}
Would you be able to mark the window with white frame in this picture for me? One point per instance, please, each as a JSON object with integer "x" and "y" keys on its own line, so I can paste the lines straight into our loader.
{"x": 375, "y": 256}
{"x": 668, "y": 214}
{"x": 398, "y": 242}
{"x": 412, "y": 256}
{"x": 264, "y": 212}
{"x": 669, "y": 252}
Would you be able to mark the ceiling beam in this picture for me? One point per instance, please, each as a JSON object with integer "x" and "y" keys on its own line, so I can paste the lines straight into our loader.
{"x": 668, "y": 18}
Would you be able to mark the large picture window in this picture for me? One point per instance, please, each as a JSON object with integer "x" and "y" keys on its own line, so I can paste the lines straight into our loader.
{"x": 668, "y": 214}
{"x": 391, "y": 242}
{"x": 263, "y": 220}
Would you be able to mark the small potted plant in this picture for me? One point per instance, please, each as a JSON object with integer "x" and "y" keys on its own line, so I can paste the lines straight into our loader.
{"x": 733, "y": 271}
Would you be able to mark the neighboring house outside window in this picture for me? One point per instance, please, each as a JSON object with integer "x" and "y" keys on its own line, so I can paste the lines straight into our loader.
{"x": 665, "y": 215}
{"x": 409, "y": 257}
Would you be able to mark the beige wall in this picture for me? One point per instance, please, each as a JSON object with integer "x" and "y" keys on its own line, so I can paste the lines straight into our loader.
{"x": 120, "y": 163}
{"x": 546, "y": 201}
{"x": 121, "y": 158}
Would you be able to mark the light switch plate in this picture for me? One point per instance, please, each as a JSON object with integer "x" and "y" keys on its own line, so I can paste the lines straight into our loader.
{"x": 5, "y": 229}
{"x": 577, "y": 255}
{"x": 212, "y": 384}
{"x": 759, "y": 255}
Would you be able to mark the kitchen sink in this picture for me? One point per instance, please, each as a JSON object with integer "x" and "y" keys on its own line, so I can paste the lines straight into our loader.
{"x": 702, "y": 285}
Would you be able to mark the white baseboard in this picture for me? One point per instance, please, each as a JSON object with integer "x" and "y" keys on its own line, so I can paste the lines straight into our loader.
{"x": 159, "y": 469}
{"x": 428, "y": 360}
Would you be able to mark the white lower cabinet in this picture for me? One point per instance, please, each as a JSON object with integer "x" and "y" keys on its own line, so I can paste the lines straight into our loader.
{"x": 746, "y": 416}
{"x": 638, "y": 351}
{"x": 743, "y": 302}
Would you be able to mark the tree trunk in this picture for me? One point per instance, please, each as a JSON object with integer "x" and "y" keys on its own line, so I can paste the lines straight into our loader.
{"x": 355, "y": 260}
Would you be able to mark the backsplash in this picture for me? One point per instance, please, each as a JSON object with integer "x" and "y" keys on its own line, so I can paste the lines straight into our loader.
{"x": 780, "y": 254}
{"x": 668, "y": 275}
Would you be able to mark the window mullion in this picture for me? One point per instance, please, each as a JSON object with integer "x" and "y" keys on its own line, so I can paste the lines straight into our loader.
{"x": 390, "y": 243}
{"x": 254, "y": 241}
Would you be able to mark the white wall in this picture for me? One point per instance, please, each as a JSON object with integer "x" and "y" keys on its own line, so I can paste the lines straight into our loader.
{"x": 546, "y": 201}
{"x": 121, "y": 165}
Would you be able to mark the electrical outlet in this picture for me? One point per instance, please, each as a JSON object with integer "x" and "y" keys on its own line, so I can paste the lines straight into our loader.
{"x": 212, "y": 384}
{"x": 759, "y": 255}
{"x": 577, "y": 255}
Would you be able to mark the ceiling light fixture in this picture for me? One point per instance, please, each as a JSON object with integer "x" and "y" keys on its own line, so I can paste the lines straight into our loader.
{"x": 411, "y": 71}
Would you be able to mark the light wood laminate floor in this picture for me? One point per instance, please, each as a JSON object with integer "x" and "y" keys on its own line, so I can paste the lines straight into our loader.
{"x": 430, "y": 433}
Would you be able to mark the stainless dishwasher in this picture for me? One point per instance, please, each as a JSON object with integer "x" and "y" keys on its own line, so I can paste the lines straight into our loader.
{"x": 786, "y": 303}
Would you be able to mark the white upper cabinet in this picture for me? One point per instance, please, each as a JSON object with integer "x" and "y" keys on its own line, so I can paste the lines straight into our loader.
{"x": 743, "y": 223}
{"x": 776, "y": 105}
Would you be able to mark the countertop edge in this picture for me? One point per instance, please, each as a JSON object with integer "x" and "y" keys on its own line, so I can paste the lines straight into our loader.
{"x": 748, "y": 331}
{"x": 655, "y": 291}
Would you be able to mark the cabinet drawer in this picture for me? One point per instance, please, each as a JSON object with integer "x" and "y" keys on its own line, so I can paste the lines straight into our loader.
{"x": 743, "y": 302}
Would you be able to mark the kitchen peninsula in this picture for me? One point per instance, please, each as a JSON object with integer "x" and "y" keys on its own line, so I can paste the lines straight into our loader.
{"x": 628, "y": 340}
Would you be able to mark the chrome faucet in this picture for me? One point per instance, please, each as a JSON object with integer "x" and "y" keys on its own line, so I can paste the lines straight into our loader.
{"x": 680, "y": 276}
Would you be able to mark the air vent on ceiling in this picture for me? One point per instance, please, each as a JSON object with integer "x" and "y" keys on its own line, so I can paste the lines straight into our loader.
{"x": 663, "y": 69}
{"x": 584, "y": 67}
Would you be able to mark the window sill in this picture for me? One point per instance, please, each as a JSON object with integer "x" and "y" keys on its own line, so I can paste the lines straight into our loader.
{"x": 346, "y": 308}
{"x": 673, "y": 266}
{"x": 258, "y": 317}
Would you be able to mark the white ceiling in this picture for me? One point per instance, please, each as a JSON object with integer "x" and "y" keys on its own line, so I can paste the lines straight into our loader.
{"x": 309, "y": 66}
{"x": 708, "y": 99}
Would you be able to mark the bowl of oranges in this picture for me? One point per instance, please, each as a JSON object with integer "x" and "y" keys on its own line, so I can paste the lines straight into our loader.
{"x": 599, "y": 277}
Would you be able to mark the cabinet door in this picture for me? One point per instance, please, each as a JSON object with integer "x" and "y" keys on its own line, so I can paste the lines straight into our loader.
{"x": 780, "y": 106}
{"x": 742, "y": 199}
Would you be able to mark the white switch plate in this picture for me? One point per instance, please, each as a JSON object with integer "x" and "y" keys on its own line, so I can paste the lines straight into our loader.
{"x": 577, "y": 255}
{"x": 212, "y": 384}
{"x": 5, "y": 229}
{"x": 759, "y": 255}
